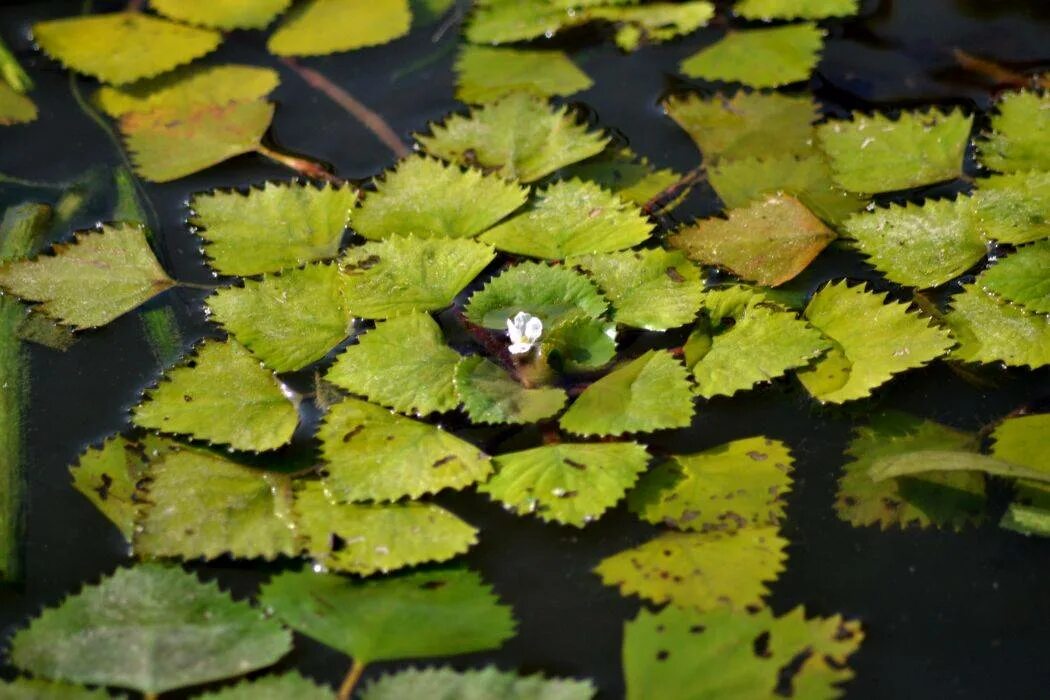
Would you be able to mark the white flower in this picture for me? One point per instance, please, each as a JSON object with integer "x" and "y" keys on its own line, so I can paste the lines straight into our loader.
{"x": 524, "y": 330}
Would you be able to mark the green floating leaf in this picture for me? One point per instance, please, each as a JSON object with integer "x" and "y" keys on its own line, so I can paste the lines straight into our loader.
{"x": 919, "y": 245}
{"x": 519, "y": 136}
{"x": 379, "y": 620}
{"x": 488, "y": 682}
{"x": 808, "y": 178}
{"x": 403, "y": 364}
{"x": 729, "y": 487}
{"x": 1021, "y": 440}
{"x": 872, "y": 341}
{"x": 795, "y": 9}
{"x": 122, "y": 47}
{"x": 150, "y": 628}
{"x": 108, "y": 476}
{"x": 167, "y": 144}
{"x": 98, "y": 277}
{"x": 430, "y": 199}
{"x": 272, "y": 228}
{"x": 649, "y": 393}
{"x": 222, "y": 395}
{"x": 272, "y": 687}
{"x": 1020, "y": 130}
{"x": 623, "y": 172}
{"x": 571, "y": 218}
{"x": 485, "y": 74}
{"x": 288, "y": 321}
{"x": 569, "y": 483}
{"x": 32, "y": 689}
{"x": 654, "y": 289}
{"x": 943, "y": 499}
{"x": 699, "y": 570}
{"x": 760, "y": 57}
{"x": 989, "y": 330}
{"x": 551, "y": 293}
{"x": 760, "y": 344}
{"x": 718, "y": 654}
{"x": 318, "y": 27}
{"x": 491, "y": 396}
{"x": 769, "y": 242}
{"x": 878, "y": 154}
{"x": 15, "y": 108}
{"x": 1029, "y": 511}
{"x": 188, "y": 89}
{"x": 1013, "y": 208}
{"x": 372, "y": 454}
{"x": 223, "y": 14}
{"x": 404, "y": 274}
{"x": 495, "y": 22}
{"x": 579, "y": 344}
{"x": 1022, "y": 278}
{"x": 365, "y": 538}
{"x": 746, "y": 124}
{"x": 655, "y": 22}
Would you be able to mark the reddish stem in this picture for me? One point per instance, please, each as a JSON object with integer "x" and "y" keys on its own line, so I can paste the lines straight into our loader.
{"x": 304, "y": 166}
{"x": 673, "y": 191}
{"x": 1000, "y": 74}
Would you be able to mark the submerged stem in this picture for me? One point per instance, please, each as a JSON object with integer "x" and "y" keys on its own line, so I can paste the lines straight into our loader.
{"x": 303, "y": 166}
{"x": 371, "y": 120}
{"x": 346, "y": 688}
{"x": 663, "y": 198}
{"x": 999, "y": 73}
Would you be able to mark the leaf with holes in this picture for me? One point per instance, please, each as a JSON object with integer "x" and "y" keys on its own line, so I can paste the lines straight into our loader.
{"x": 288, "y": 321}
{"x": 568, "y": 483}
{"x": 699, "y": 570}
{"x": 378, "y": 619}
{"x": 571, "y": 218}
{"x": 551, "y": 293}
{"x": 488, "y": 682}
{"x": 485, "y": 74}
{"x": 187, "y": 89}
{"x": 98, "y": 277}
{"x": 519, "y": 136}
{"x": 107, "y": 476}
{"x": 760, "y": 57}
{"x": 1022, "y": 278}
{"x": 648, "y": 393}
{"x": 654, "y": 289}
{"x": 622, "y": 171}
{"x": 272, "y": 687}
{"x": 737, "y": 485}
{"x": 767, "y": 10}
{"x": 273, "y": 228}
{"x": 746, "y": 124}
{"x": 874, "y": 153}
{"x": 872, "y": 340}
{"x": 430, "y": 199}
{"x": 1019, "y": 133}
{"x": 122, "y": 47}
{"x": 150, "y": 628}
{"x": 372, "y": 454}
{"x": 950, "y": 500}
{"x": 769, "y": 242}
{"x": 365, "y": 538}
{"x": 222, "y": 395}
{"x": 318, "y": 27}
{"x": 404, "y": 274}
{"x": 403, "y": 364}
{"x": 989, "y": 330}
{"x": 491, "y": 396}
{"x": 1013, "y": 208}
{"x": 166, "y": 144}
{"x": 223, "y": 14}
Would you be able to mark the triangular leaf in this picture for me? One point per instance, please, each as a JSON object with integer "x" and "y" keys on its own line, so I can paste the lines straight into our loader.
{"x": 98, "y": 277}
{"x": 699, "y": 570}
{"x": 187, "y": 89}
{"x": 108, "y": 476}
{"x": 503, "y": 22}
{"x": 551, "y": 293}
{"x": 272, "y": 687}
{"x": 571, "y": 218}
{"x": 403, "y": 363}
{"x": 222, "y": 395}
{"x": 372, "y": 454}
{"x": 15, "y": 108}
{"x": 649, "y": 393}
{"x": 486, "y": 74}
{"x": 488, "y": 682}
{"x": 989, "y": 330}
{"x": 223, "y": 14}
{"x": 273, "y": 228}
{"x": 569, "y": 483}
{"x": 429, "y": 199}
{"x": 150, "y": 628}
{"x": 759, "y": 57}
{"x": 288, "y": 321}
{"x": 622, "y": 171}
{"x": 1021, "y": 440}
{"x": 317, "y": 27}
{"x": 491, "y": 396}
{"x": 1020, "y": 129}
{"x": 379, "y": 620}
{"x": 519, "y": 136}
{"x": 1013, "y": 208}
{"x": 1022, "y": 278}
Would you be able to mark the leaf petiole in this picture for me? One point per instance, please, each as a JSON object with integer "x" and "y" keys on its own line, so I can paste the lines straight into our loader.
{"x": 304, "y": 166}
{"x": 350, "y": 681}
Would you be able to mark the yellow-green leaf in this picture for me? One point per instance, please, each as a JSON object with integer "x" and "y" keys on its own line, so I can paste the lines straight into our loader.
{"x": 990, "y": 330}
{"x": 486, "y": 73}
{"x": 223, "y": 14}
{"x": 760, "y": 57}
{"x": 107, "y": 476}
{"x": 1020, "y": 129}
{"x": 317, "y": 27}
{"x": 187, "y": 89}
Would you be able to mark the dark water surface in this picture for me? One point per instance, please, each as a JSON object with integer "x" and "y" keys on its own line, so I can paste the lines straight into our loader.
{"x": 946, "y": 615}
